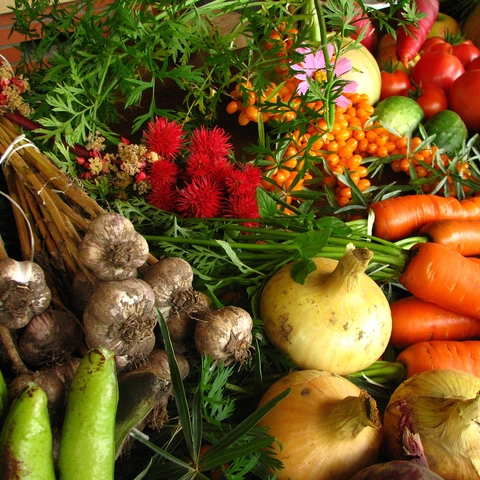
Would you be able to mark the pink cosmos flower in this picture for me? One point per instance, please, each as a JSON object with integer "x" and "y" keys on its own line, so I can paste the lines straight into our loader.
{"x": 313, "y": 68}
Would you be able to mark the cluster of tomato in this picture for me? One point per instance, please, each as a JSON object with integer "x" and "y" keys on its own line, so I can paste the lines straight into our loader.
{"x": 443, "y": 76}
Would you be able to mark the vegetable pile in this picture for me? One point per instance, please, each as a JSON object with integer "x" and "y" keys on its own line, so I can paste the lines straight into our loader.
{"x": 272, "y": 272}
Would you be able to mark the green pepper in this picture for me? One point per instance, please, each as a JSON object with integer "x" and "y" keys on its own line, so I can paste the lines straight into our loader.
{"x": 26, "y": 444}
{"x": 87, "y": 442}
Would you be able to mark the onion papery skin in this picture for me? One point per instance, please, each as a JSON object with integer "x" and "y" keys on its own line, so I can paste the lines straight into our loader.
{"x": 396, "y": 470}
{"x": 445, "y": 412}
{"x": 339, "y": 320}
{"x": 327, "y": 426}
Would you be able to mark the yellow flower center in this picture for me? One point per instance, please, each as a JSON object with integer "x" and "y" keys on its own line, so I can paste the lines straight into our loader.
{"x": 320, "y": 76}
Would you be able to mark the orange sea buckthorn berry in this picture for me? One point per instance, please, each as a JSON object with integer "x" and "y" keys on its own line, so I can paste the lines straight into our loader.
{"x": 251, "y": 113}
{"x": 405, "y": 164}
{"x": 242, "y": 119}
{"x": 290, "y": 163}
{"x": 395, "y": 166}
{"x": 233, "y": 107}
{"x": 421, "y": 171}
{"x": 363, "y": 184}
{"x": 354, "y": 162}
{"x": 343, "y": 201}
{"x": 332, "y": 159}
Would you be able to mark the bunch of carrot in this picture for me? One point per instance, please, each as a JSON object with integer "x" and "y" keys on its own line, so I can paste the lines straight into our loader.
{"x": 438, "y": 323}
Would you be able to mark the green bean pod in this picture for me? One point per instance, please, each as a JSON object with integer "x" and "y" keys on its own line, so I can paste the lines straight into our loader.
{"x": 87, "y": 442}
{"x": 26, "y": 444}
{"x": 4, "y": 400}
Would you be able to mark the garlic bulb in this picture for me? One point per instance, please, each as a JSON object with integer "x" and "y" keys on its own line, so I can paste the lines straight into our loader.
{"x": 24, "y": 292}
{"x": 171, "y": 279}
{"x": 121, "y": 316}
{"x": 50, "y": 337}
{"x": 112, "y": 248}
{"x": 225, "y": 334}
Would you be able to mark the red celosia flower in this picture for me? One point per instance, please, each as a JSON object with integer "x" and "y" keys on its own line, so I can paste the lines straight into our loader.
{"x": 163, "y": 172}
{"x": 213, "y": 142}
{"x": 200, "y": 165}
{"x": 243, "y": 206}
{"x": 163, "y": 196}
{"x": 243, "y": 180}
{"x": 164, "y": 137}
{"x": 201, "y": 198}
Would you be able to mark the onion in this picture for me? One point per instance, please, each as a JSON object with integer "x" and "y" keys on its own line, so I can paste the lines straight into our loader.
{"x": 445, "y": 411}
{"x": 327, "y": 426}
{"x": 415, "y": 468}
{"x": 396, "y": 470}
{"x": 225, "y": 334}
{"x": 339, "y": 320}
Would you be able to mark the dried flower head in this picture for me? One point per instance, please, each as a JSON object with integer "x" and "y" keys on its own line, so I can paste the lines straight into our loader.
{"x": 12, "y": 88}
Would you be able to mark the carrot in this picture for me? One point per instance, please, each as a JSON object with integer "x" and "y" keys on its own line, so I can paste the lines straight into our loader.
{"x": 436, "y": 274}
{"x": 399, "y": 217}
{"x": 441, "y": 355}
{"x": 411, "y": 38}
{"x": 463, "y": 236}
{"x": 415, "y": 320}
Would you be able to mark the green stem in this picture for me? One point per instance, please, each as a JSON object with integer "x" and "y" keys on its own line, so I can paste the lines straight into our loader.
{"x": 329, "y": 107}
{"x": 382, "y": 254}
{"x": 382, "y": 372}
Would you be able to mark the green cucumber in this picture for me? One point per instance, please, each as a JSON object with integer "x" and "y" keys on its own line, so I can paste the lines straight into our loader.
{"x": 402, "y": 114}
{"x": 26, "y": 440}
{"x": 449, "y": 129}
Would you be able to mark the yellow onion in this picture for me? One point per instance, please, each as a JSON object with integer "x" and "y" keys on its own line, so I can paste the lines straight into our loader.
{"x": 444, "y": 408}
{"x": 327, "y": 426}
{"x": 339, "y": 320}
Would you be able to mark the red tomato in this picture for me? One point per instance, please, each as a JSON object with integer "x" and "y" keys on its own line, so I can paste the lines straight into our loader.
{"x": 394, "y": 83}
{"x": 431, "y": 43}
{"x": 431, "y": 98}
{"x": 466, "y": 52}
{"x": 462, "y": 101}
{"x": 474, "y": 64}
{"x": 441, "y": 68}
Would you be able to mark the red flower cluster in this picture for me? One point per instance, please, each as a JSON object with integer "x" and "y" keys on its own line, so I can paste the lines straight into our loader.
{"x": 197, "y": 178}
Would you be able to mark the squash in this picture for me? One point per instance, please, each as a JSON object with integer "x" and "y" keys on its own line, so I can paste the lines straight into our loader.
{"x": 365, "y": 71}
